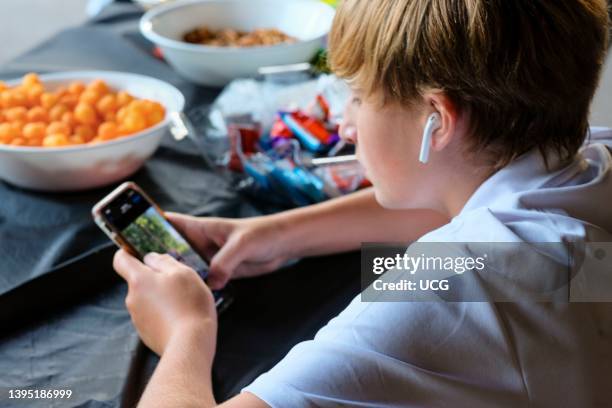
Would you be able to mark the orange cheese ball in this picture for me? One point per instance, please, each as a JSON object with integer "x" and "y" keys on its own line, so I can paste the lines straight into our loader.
{"x": 18, "y": 127}
{"x": 90, "y": 96}
{"x": 33, "y": 94}
{"x": 121, "y": 114}
{"x": 38, "y": 114}
{"x": 48, "y": 100}
{"x": 30, "y": 79}
{"x": 99, "y": 86}
{"x": 157, "y": 114}
{"x": 124, "y": 98}
{"x": 134, "y": 122}
{"x": 56, "y": 112}
{"x": 20, "y": 96}
{"x": 35, "y": 130}
{"x": 34, "y": 142}
{"x": 108, "y": 103}
{"x": 108, "y": 131}
{"x": 13, "y": 98}
{"x": 68, "y": 118}
{"x": 139, "y": 106}
{"x": 7, "y": 133}
{"x": 76, "y": 139}
{"x": 18, "y": 113}
{"x": 76, "y": 88}
{"x": 84, "y": 132}
{"x": 56, "y": 140}
{"x": 85, "y": 114}
{"x": 69, "y": 100}
{"x": 78, "y": 113}
{"x": 59, "y": 128}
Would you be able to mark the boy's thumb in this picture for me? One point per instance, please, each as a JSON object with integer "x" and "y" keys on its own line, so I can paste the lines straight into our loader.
{"x": 224, "y": 263}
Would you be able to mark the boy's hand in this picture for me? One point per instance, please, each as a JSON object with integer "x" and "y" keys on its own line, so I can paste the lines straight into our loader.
{"x": 166, "y": 300}
{"x": 235, "y": 248}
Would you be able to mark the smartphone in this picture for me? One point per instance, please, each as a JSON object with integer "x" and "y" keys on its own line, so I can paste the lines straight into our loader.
{"x": 135, "y": 223}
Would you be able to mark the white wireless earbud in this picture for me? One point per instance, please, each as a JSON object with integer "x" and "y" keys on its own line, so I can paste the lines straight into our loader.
{"x": 433, "y": 124}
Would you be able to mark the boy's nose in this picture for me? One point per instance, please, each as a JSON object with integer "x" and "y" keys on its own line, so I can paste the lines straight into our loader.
{"x": 348, "y": 133}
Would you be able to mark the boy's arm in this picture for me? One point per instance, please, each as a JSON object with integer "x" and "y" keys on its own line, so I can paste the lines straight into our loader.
{"x": 344, "y": 223}
{"x": 259, "y": 245}
{"x": 183, "y": 376}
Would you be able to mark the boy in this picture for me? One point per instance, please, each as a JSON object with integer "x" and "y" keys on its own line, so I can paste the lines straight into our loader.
{"x": 470, "y": 111}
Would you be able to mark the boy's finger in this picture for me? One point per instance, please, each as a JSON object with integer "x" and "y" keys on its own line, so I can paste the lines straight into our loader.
{"x": 227, "y": 259}
{"x": 185, "y": 224}
{"x": 217, "y": 282}
{"x": 128, "y": 267}
{"x": 160, "y": 262}
{"x": 247, "y": 270}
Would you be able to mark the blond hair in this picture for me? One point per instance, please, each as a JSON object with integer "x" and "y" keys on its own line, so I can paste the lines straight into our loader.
{"x": 524, "y": 70}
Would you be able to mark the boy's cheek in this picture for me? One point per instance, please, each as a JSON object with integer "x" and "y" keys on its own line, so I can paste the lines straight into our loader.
{"x": 349, "y": 115}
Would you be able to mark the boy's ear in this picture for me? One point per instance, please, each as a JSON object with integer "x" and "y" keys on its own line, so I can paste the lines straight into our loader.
{"x": 449, "y": 116}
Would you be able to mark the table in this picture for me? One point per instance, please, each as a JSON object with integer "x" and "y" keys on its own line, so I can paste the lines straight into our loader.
{"x": 63, "y": 323}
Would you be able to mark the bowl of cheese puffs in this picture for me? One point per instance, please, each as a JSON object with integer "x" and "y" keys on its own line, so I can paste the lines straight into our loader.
{"x": 73, "y": 131}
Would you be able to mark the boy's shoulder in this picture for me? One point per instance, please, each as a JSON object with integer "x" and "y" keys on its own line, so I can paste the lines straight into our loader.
{"x": 525, "y": 202}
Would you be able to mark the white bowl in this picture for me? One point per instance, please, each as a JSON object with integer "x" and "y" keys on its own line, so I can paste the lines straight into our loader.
{"x": 83, "y": 167}
{"x": 309, "y": 21}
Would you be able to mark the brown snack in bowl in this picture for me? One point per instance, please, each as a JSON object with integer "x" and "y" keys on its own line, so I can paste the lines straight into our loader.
{"x": 228, "y": 37}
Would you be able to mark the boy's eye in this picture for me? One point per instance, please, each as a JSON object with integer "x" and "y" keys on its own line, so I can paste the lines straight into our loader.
{"x": 356, "y": 100}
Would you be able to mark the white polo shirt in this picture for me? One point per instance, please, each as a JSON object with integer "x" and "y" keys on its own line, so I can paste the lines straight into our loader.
{"x": 473, "y": 354}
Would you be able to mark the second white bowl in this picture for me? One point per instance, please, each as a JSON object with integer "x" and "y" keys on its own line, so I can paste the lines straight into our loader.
{"x": 309, "y": 21}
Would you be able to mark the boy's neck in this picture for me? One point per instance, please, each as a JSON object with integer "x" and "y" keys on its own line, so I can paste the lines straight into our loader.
{"x": 459, "y": 185}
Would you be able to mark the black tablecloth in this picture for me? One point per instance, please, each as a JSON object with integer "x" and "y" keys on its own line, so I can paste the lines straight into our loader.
{"x": 62, "y": 317}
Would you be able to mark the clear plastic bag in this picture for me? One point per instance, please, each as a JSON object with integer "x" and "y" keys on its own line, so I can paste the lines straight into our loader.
{"x": 252, "y": 132}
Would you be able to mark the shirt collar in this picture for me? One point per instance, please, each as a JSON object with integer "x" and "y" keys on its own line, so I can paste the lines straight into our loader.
{"x": 528, "y": 172}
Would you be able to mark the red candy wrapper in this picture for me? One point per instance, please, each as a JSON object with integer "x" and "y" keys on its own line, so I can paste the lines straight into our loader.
{"x": 320, "y": 109}
{"x": 313, "y": 126}
{"x": 280, "y": 130}
{"x": 243, "y": 141}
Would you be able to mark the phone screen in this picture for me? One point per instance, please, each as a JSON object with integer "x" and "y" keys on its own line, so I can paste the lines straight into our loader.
{"x": 141, "y": 225}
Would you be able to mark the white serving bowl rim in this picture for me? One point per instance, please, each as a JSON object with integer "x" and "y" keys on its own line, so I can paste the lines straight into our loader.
{"x": 146, "y": 28}
{"x": 77, "y": 75}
